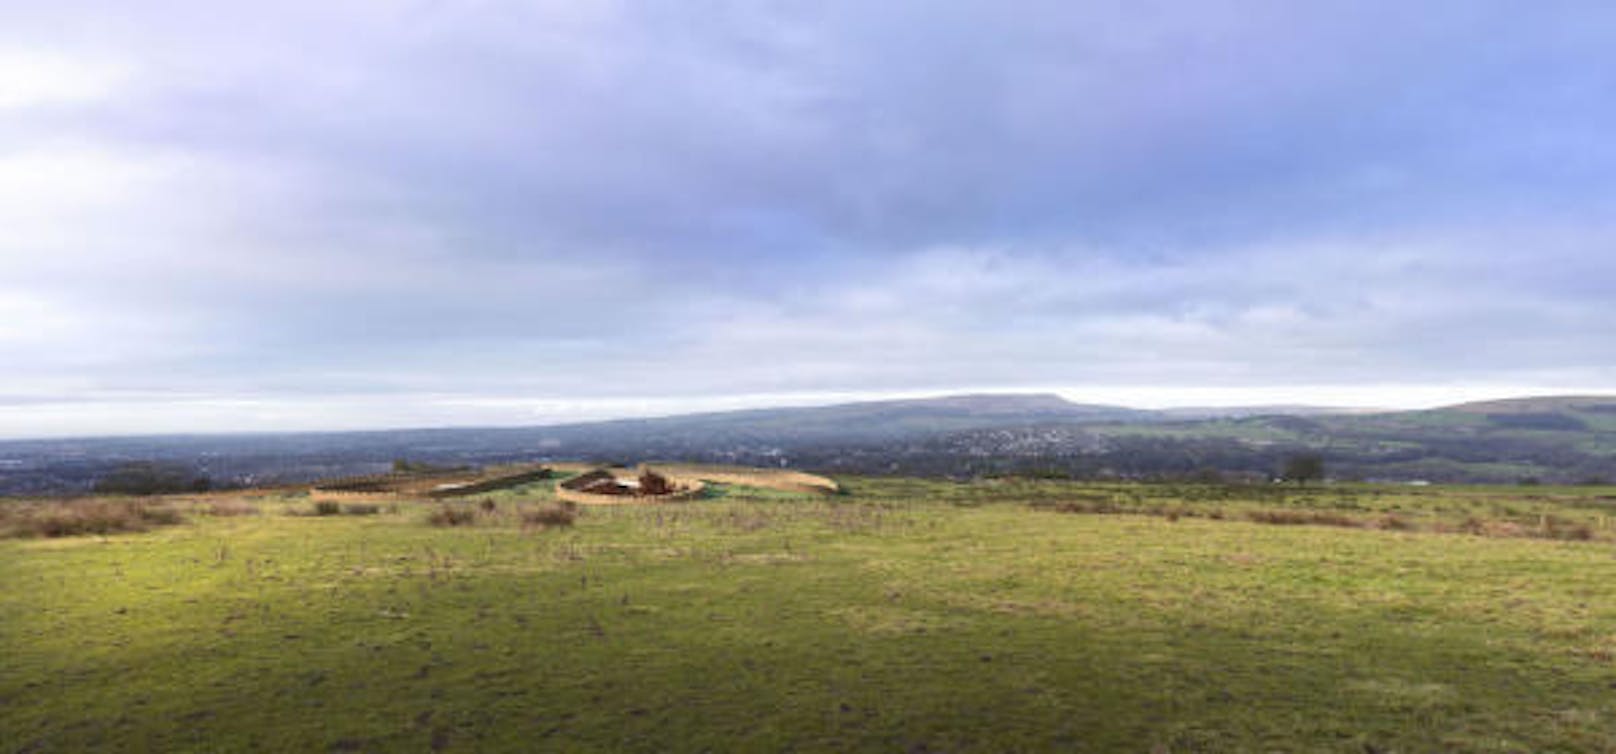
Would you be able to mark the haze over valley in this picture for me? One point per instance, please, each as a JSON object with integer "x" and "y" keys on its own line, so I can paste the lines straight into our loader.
{"x": 1556, "y": 440}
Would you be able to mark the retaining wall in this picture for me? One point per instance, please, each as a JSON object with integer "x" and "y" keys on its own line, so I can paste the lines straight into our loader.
{"x": 386, "y": 487}
{"x": 492, "y": 483}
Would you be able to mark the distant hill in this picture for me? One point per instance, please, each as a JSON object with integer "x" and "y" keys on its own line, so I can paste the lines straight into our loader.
{"x": 868, "y": 420}
{"x": 1589, "y": 404}
{"x": 1547, "y": 439}
{"x": 1234, "y": 412}
{"x": 1543, "y": 438}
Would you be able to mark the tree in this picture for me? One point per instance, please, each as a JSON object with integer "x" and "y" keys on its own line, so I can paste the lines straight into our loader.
{"x": 150, "y": 478}
{"x": 1303, "y": 468}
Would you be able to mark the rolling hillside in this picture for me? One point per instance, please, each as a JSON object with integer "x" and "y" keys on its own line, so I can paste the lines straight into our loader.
{"x": 1563, "y": 439}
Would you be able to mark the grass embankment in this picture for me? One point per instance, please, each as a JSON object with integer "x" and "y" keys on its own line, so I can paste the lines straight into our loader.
{"x": 904, "y": 615}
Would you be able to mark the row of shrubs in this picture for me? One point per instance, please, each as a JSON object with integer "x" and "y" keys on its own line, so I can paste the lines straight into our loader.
{"x": 554, "y": 516}
{"x": 330, "y": 508}
{"x": 70, "y": 518}
{"x": 1548, "y": 527}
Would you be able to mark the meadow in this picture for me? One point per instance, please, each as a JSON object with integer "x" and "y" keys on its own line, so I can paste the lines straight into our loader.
{"x": 901, "y": 615}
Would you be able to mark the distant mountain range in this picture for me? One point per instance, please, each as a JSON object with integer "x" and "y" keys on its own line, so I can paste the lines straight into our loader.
{"x": 1554, "y": 439}
{"x": 892, "y": 419}
{"x": 903, "y": 418}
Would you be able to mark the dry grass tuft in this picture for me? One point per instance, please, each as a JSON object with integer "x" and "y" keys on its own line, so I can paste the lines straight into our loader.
{"x": 558, "y": 516}
{"x": 1302, "y": 518}
{"x": 229, "y": 508}
{"x": 1394, "y": 522}
{"x": 69, "y": 518}
{"x": 1088, "y": 505}
{"x": 452, "y": 515}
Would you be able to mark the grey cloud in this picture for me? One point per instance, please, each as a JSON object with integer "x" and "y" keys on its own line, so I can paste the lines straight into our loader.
{"x": 414, "y": 199}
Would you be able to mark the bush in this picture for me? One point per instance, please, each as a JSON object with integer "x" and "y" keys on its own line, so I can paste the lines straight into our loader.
{"x": 160, "y": 515}
{"x": 151, "y": 478}
{"x": 1559, "y": 528}
{"x": 361, "y": 509}
{"x": 1300, "y": 518}
{"x": 1393, "y": 522}
{"x": 224, "y": 508}
{"x": 327, "y": 508}
{"x": 80, "y": 517}
{"x": 1579, "y": 532}
{"x": 451, "y": 516}
{"x": 1303, "y": 468}
{"x": 1091, "y": 504}
{"x": 556, "y": 516}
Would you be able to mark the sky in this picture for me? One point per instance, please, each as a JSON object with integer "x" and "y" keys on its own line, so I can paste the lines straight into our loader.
{"x": 316, "y": 215}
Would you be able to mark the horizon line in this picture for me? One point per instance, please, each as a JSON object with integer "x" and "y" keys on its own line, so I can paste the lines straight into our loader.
{"x": 265, "y": 416}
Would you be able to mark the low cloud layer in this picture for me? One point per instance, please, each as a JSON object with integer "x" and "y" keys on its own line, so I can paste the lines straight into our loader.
{"x": 318, "y": 216}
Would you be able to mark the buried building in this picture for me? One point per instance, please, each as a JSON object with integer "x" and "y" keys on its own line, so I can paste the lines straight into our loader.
{"x": 603, "y": 486}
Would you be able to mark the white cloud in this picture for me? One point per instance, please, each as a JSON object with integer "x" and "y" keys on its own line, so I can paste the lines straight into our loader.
{"x": 27, "y": 318}
{"x": 62, "y": 186}
{"x": 32, "y": 78}
{"x": 316, "y": 207}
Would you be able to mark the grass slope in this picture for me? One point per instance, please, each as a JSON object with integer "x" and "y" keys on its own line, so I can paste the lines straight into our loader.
{"x": 907, "y": 616}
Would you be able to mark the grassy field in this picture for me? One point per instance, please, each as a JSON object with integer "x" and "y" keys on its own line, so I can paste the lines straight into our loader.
{"x": 903, "y": 615}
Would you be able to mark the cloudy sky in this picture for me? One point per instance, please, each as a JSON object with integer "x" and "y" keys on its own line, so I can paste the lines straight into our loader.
{"x": 364, "y": 214}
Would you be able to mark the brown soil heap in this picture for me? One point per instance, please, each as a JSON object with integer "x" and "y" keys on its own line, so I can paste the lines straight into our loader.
{"x": 607, "y": 486}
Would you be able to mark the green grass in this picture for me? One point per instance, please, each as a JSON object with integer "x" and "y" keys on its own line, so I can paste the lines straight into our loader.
{"x": 907, "y": 615}
{"x": 736, "y": 493}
